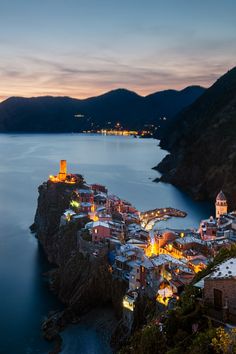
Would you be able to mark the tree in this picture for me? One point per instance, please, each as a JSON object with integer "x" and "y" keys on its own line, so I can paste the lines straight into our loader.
{"x": 224, "y": 342}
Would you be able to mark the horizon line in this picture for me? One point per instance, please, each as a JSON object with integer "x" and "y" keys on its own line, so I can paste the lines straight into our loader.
{"x": 5, "y": 98}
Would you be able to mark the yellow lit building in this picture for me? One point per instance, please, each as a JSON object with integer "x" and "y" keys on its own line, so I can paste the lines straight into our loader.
{"x": 63, "y": 176}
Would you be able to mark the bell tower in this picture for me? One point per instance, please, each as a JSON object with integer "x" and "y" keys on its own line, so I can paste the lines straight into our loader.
{"x": 221, "y": 205}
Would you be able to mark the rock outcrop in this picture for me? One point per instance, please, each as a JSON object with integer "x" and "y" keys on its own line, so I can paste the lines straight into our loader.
{"x": 81, "y": 279}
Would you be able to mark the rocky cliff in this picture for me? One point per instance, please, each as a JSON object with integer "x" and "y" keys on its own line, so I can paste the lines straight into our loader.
{"x": 201, "y": 142}
{"x": 81, "y": 279}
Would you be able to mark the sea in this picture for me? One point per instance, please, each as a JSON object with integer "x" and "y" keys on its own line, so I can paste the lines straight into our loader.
{"x": 124, "y": 165}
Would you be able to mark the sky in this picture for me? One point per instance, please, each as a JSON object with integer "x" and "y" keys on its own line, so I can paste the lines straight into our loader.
{"x": 83, "y": 48}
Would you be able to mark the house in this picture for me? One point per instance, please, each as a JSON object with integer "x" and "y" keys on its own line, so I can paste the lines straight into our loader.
{"x": 67, "y": 216}
{"x": 134, "y": 276}
{"x": 100, "y": 230}
{"x": 220, "y": 289}
{"x": 117, "y": 229}
{"x": 165, "y": 238}
{"x": 129, "y": 300}
{"x": 99, "y": 188}
{"x": 86, "y": 195}
{"x": 198, "y": 263}
{"x": 86, "y": 207}
{"x": 147, "y": 272}
{"x": 126, "y": 260}
{"x": 120, "y": 266}
{"x": 188, "y": 242}
{"x": 208, "y": 229}
{"x": 137, "y": 243}
{"x": 100, "y": 199}
{"x": 104, "y": 217}
{"x": 166, "y": 259}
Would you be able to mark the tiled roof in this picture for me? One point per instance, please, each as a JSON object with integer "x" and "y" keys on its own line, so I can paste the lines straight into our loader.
{"x": 221, "y": 196}
{"x": 224, "y": 270}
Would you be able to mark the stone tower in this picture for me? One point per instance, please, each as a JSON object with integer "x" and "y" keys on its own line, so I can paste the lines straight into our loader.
{"x": 221, "y": 205}
{"x": 63, "y": 171}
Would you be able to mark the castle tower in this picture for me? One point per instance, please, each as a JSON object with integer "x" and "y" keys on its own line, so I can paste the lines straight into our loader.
{"x": 63, "y": 171}
{"x": 221, "y": 205}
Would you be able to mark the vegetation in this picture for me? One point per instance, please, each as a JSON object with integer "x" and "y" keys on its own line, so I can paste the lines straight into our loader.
{"x": 224, "y": 342}
{"x": 148, "y": 340}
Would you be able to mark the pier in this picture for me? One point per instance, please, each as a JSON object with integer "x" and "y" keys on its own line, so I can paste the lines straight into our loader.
{"x": 161, "y": 213}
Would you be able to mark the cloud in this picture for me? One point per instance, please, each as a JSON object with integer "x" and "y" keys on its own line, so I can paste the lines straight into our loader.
{"x": 82, "y": 75}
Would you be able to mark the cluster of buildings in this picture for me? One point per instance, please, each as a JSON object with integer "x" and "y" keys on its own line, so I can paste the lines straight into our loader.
{"x": 161, "y": 263}
{"x": 223, "y": 226}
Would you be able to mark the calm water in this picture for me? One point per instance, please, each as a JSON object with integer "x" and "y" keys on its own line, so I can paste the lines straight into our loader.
{"x": 122, "y": 163}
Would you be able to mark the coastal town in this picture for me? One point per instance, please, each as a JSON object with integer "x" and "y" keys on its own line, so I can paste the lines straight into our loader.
{"x": 117, "y": 183}
{"x": 159, "y": 263}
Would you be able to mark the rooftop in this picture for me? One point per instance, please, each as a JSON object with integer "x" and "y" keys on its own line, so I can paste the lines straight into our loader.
{"x": 100, "y": 223}
{"x": 85, "y": 191}
{"x": 69, "y": 212}
{"x": 188, "y": 239}
{"x": 221, "y": 197}
{"x": 165, "y": 258}
{"x": 84, "y": 204}
{"x": 224, "y": 270}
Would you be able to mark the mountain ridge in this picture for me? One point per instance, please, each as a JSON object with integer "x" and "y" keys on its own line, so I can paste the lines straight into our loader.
{"x": 57, "y": 113}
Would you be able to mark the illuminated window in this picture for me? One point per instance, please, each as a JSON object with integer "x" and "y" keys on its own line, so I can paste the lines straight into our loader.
{"x": 96, "y": 231}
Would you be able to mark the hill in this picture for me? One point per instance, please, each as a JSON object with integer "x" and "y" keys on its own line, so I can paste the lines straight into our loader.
{"x": 202, "y": 143}
{"x": 65, "y": 114}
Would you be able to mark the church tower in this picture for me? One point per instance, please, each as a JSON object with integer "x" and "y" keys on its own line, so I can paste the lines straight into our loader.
{"x": 63, "y": 171}
{"x": 221, "y": 205}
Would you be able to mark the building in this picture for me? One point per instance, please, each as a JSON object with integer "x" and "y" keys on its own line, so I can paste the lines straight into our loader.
{"x": 208, "y": 229}
{"x": 129, "y": 302}
{"x": 64, "y": 177}
{"x": 221, "y": 205}
{"x": 98, "y": 188}
{"x": 85, "y": 195}
{"x": 100, "y": 230}
{"x": 86, "y": 207}
{"x": 220, "y": 289}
